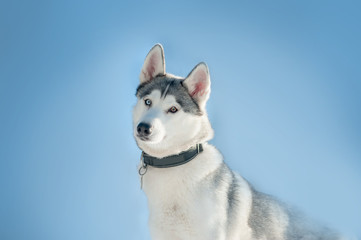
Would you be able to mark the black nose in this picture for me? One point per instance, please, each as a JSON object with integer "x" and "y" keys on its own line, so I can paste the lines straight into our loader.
{"x": 144, "y": 129}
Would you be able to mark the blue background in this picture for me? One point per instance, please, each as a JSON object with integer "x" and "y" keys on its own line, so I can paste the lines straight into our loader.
{"x": 285, "y": 106}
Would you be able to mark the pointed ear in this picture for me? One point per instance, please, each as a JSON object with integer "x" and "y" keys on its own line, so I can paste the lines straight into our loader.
{"x": 154, "y": 64}
{"x": 199, "y": 84}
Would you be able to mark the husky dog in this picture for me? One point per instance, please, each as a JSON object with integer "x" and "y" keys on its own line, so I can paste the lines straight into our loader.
{"x": 192, "y": 194}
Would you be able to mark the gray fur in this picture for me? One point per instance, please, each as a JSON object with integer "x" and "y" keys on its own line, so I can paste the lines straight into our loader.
{"x": 231, "y": 207}
{"x": 231, "y": 197}
{"x": 176, "y": 88}
{"x": 301, "y": 228}
{"x": 266, "y": 211}
{"x": 224, "y": 175}
{"x": 263, "y": 216}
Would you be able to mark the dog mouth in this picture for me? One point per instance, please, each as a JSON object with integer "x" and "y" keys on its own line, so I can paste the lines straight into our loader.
{"x": 143, "y": 138}
{"x": 148, "y": 138}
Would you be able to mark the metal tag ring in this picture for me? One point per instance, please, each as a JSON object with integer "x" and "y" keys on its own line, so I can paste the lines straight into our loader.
{"x": 142, "y": 170}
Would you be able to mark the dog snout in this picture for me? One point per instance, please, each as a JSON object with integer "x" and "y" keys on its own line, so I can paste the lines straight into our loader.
{"x": 144, "y": 129}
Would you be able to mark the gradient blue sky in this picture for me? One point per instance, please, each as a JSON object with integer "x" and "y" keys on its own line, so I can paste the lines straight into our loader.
{"x": 285, "y": 106}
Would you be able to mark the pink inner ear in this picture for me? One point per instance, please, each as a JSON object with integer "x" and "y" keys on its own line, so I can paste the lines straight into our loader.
{"x": 151, "y": 66}
{"x": 201, "y": 84}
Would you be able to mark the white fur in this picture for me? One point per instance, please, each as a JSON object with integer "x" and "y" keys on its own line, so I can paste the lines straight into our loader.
{"x": 178, "y": 205}
{"x": 183, "y": 201}
{"x": 177, "y": 202}
{"x": 172, "y": 133}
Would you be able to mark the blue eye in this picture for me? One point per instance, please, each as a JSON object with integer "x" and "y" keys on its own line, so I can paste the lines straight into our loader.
{"x": 148, "y": 102}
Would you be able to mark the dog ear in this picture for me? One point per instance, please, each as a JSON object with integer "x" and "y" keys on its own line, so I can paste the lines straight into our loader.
{"x": 154, "y": 64}
{"x": 198, "y": 84}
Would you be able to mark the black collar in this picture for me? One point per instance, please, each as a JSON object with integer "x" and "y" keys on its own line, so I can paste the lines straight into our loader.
{"x": 173, "y": 160}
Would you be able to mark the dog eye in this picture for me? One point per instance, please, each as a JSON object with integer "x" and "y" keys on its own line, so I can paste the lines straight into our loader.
{"x": 147, "y": 102}
{"x": 173, "y": 109}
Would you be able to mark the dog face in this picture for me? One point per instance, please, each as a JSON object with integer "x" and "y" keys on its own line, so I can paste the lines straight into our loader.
{"x": 170, "y": 114}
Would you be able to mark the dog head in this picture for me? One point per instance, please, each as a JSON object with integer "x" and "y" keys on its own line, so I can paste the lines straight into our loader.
{"x": 170, "y": 115}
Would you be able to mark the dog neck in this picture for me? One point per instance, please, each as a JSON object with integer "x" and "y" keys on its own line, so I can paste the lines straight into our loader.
{"x": 172, "y": 160}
